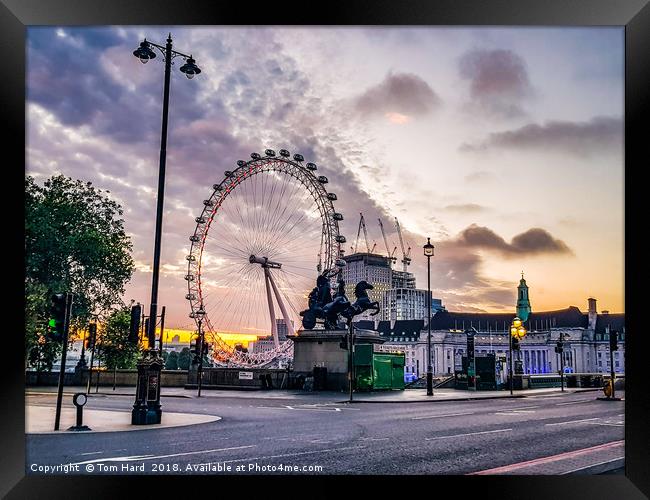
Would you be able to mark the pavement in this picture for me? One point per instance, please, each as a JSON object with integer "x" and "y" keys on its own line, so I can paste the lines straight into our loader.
{"x": 275, "y": 432}
{"x": 39, "y": 420}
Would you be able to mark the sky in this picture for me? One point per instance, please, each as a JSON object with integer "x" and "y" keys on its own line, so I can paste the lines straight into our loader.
{"x": 503, "y": 145}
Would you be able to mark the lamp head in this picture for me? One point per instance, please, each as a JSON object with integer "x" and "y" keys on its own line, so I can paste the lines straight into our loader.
{"x": 144, "y": 52}
{"x": 428, "y": 248}
{"x": 190, "y": 68}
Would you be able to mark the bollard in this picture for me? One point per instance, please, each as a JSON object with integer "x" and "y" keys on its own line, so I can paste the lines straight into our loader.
{"x": 79, "y": 400}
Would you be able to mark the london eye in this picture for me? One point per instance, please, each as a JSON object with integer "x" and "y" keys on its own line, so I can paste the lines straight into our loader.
{"x": 267, "y": 230}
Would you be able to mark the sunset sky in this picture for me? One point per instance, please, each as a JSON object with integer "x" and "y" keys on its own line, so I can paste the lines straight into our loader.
{"x": 504, "y": 145}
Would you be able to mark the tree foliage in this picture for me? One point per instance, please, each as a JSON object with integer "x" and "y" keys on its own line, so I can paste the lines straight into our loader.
{"x": 184, "y": 359}
{"x": 75, "y": 242}
{"x": 171, "y": 363}
{"x": 114, "y": 349}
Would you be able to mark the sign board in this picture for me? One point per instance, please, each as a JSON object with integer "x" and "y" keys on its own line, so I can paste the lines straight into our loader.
{"x": 245, "y": 375}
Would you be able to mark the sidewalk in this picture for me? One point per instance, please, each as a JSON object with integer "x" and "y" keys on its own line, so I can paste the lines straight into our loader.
{"x": 405, "y": 396}
{"x": 40, "y": 420}
{"x": 593, "y": 460}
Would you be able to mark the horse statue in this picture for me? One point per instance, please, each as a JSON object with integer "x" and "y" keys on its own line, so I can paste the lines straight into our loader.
{"x": 363, "y": 302}
{"x": 318, "y": 298}
{"x": 323, "y": 306}
{"x": 339, "y": 304}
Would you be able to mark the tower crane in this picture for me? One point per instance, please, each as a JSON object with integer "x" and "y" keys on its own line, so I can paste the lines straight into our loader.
{"x": 391, "y": 255}
{"x": 362, "y": 224}
{"x": 405, "y": 253}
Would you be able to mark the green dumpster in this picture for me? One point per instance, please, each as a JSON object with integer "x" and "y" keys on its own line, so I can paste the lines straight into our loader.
{"x": 377, "y": 370}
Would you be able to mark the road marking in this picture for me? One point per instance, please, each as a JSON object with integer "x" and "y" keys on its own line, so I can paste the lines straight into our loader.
{"x": 445, "y": 415}
{"x": 576, "y": 402}
{"x": 574, "y": 421}
{"x": 514, "y": 412}
{"x": 468, "y": 434}
{"x": 544, "y": 460}
{"x": 374, "y": 439}
{"x": 287, "y": 407}
{"x": 605, "y": 423}
{"x": 93, "y": 453}
{"x": 289, "y": 454}
{"x": 153, "y": 457}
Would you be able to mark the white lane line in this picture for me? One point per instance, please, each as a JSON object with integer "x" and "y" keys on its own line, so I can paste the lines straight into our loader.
{"x": 576, "y": 402}
{"x": 92, "y": 453}
{"x": 444, "y": 415}
{"x": 288, "y": 455}
{"x": 374, "y": 439}
{"x": 287, "y": 407}
{"x": 592, "y": 465}
{"x": 605, "y": 423}
{"x": 468, "y": 434}
{"x": 153, "y": 457}
{"x": 521, "y": 408}
{"x": 574, "y": 421}
{"x": 514, "y": 412}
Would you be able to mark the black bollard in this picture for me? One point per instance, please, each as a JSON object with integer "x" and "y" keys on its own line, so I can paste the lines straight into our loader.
{"x": 79, "y": 400}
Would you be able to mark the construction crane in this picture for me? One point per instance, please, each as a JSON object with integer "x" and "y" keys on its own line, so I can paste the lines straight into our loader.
{"x": 405, "y": 253}
{"x": 362, "y": 224}
{"x": 391, "y": 255}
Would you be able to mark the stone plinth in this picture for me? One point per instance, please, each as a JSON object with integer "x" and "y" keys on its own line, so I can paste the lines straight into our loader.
{"x": 323, "y": 348}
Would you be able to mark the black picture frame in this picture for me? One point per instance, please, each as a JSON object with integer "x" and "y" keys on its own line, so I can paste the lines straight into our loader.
{"x": 634, "y": 15}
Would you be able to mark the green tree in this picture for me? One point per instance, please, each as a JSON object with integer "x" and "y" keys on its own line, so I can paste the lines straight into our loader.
{"x": 171, "y": 363}
{"x": 184, "y": 359}
{"x": 114, "y": 349}
{"x": 74, "y": 241}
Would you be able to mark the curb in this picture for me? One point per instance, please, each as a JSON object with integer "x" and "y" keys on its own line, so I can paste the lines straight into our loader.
{"x": 506, "y": 396}
{"x": 516, "y": 396}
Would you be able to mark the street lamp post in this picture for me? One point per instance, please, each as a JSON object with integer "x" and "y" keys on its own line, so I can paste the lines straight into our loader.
{"x": 561, "y": 361}
{"x": 518, "y": 331}
{"x": 428, "y": 252}
{"x": 146, "y": 409}
{"x": 200, "y": 314}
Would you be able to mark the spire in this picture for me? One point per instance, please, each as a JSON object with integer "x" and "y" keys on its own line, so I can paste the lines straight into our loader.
{"x": 523, "y": 300}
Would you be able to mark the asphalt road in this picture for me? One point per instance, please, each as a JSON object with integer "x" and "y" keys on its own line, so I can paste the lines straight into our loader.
{"x": 378, "y": 438}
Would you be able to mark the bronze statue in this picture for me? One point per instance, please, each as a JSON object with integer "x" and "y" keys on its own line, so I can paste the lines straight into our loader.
{"x": 323, "y": 306}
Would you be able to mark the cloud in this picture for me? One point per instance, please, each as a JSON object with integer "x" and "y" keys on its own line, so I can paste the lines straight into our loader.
{"x": 398, "y": 97}
{"x": 466, "y": 208}
{"x": 480, "y": 177}
{"x": 498, "y": 81}
{"x": 601, "y": 134}
{"x": 534, "y": 241}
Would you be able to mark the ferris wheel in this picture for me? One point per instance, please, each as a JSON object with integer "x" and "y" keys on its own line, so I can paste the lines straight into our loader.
{"x": 266, "y": 232}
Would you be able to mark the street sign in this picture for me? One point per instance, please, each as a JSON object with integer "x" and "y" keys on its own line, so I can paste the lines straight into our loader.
{"x": 245, "y": 375}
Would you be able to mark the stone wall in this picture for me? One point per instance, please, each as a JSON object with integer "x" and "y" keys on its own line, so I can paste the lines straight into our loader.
{"x": 122, "y": 378}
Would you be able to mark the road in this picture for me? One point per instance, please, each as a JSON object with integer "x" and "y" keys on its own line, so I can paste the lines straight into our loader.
{"x": 459, "y": 437}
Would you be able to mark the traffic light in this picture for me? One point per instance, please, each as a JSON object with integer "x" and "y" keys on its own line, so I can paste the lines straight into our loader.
{"x": 56, "y": 323}
{"x": 194, "y": 349}
{"x": 134, "y": 327}
{"x": 613, "y": 340}
{"x": 559, "y": 348}
{"x": 92, "y": 336}
{"x": 515, "y": 344}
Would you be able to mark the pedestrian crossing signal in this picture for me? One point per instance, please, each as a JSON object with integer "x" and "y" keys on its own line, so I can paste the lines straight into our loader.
{"x": 56, "y": 322}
